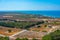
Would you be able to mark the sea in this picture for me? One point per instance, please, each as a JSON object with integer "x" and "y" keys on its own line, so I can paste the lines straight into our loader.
{"x": 55, "y": 14}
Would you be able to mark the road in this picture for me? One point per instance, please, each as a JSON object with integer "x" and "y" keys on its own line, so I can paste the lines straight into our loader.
{"x": 12, "y": 36}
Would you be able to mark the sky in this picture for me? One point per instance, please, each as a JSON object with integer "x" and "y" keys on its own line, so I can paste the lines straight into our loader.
{"x": 29, "y": 5}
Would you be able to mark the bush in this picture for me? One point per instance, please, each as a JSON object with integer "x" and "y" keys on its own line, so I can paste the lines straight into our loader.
{"x": 34, "y": 39}
{"x": 9, "y": 30}
{"x": 18, "y": 39}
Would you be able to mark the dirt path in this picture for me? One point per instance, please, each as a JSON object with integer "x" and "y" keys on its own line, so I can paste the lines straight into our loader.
{"x": 12, "y": 36}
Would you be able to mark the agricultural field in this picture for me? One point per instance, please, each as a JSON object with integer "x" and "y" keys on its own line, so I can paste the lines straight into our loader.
{"x": 40, "y": 28}
{"x": 45, "y": 27}
{"x": 8, "y": 31}
{"x": 54, "y": 23}
{"x": 21, "y": 24}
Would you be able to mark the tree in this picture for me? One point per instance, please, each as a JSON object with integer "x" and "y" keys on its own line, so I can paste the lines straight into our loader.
{"x": 38, "y": 26}
{"x": 47, "y": 37}
{"x": 9, "y": 30}
{"x": 18, "y": 39}
{"x": 1, "y": 38}
{"x": 34, "y": 39}
{"x": 45, "y": 25}
{"x": 25, "y": 39}
{"x": 6, "y": 38}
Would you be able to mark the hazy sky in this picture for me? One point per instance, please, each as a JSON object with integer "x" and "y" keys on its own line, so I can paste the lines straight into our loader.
{"x": 29, "y": 4}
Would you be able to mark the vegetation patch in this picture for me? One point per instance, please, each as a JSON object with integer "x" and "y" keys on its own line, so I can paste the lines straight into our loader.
{"x": 21, "y": 24}
{"x": 52, "y": 36}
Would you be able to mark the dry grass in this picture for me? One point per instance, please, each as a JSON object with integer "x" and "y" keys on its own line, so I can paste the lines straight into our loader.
{"x": 4, "y": 31}
{"x": 42, "y": 28}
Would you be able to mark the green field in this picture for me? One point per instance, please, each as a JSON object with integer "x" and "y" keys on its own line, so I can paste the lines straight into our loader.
{"x": 21, "y": 24}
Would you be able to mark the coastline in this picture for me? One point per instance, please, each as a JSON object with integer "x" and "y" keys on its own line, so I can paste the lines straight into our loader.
{"x": 54, "y": 14}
